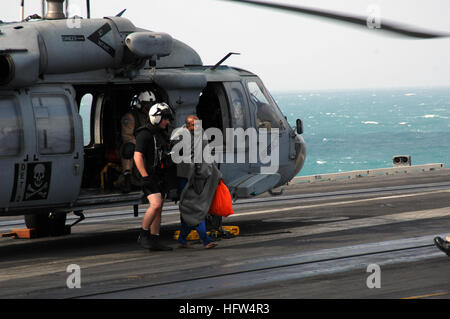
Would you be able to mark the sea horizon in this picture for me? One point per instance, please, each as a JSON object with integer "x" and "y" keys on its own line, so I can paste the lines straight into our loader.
{"x": 358, "y": 129}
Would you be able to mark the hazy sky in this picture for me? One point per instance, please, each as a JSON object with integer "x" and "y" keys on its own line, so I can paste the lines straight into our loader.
{"x": 292, "y": 51}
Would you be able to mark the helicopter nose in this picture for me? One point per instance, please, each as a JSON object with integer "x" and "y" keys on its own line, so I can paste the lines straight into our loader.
{"x": 300, "y": 154}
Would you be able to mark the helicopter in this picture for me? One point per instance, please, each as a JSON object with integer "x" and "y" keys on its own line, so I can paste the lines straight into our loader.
{"x": 54, "y": 69}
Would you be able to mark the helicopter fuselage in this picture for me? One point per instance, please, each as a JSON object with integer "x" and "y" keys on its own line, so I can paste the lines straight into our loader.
{"x": 63, "y": 91}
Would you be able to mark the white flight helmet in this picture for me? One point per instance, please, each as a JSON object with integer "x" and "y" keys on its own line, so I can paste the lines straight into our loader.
{"x": 145, "y": 97}
{"x": 159, "y": 111}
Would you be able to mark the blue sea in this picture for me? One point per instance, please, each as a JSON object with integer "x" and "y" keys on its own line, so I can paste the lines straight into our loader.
{"x": 363, "y": 129}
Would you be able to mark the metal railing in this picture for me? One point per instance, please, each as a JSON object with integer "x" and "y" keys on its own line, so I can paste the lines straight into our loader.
{"x": 367, "y": 173}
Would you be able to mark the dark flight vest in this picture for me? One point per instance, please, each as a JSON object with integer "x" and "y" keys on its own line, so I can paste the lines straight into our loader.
{"x": 162, "y": 161}
{"x": 160, "y": 146}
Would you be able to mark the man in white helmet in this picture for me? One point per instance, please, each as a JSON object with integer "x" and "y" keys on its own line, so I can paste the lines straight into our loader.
{"x": 130, "y": 122}
{"x": 151, "y": 157}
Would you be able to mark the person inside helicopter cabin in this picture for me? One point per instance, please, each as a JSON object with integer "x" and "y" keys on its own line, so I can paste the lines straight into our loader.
{"x": 130, "y": 122}
{"x": 151, "y": 157}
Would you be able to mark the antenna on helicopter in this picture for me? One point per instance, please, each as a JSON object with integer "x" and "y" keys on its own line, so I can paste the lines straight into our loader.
{"x": 120, "y": 13}
{"x": 67, "y": 8}
{"x": 22, "y": 10}
{"x": 88, "y": 9}
{"x": 223, "y": 59}
{"x": 43, "y": 8}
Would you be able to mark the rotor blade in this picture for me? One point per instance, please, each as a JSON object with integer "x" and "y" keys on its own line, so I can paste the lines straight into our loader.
{"x": 390, "y": 26}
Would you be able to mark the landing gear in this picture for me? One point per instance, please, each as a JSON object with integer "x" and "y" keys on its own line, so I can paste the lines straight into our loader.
{"x": 48, "y": 224}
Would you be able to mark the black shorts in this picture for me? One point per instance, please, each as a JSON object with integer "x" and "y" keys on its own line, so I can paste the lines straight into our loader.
{"x": 154, "y": 185}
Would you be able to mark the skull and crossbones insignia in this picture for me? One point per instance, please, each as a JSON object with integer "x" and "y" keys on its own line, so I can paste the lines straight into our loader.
{"x": 38, "y": 186}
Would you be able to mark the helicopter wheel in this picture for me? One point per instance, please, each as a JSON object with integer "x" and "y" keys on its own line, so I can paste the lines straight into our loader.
{"x": 47, "y": 224}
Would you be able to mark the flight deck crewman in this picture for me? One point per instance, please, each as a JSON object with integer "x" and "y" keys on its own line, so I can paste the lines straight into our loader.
{"x": 130, "y": 122}
{"x": 150, "y": 156}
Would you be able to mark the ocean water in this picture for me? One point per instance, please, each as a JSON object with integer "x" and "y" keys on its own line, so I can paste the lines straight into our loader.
{"x": 363, "y": 129}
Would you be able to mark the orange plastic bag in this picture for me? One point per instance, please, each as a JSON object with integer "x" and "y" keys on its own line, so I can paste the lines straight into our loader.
{"x": 222, "y": 204}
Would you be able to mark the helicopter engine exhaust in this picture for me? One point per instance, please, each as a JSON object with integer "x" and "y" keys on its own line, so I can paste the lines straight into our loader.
{"x": 55, "y": 10}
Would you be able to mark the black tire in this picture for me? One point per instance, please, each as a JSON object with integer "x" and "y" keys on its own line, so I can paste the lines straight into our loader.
{"x": 47, "y": 224}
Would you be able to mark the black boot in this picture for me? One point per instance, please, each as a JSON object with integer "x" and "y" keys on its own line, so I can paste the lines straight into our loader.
{"x": 156, "y": 245}
{"x": 144, "y": 239}
{"x": 442, "y": 245}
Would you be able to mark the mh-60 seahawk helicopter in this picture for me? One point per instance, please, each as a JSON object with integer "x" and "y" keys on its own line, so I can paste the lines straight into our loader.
{"x": 53, "y": 66}
{"x": 49, "y": 68}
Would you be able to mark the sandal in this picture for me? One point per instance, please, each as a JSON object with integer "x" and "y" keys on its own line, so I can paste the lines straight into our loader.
{"x": 210, "y": 245}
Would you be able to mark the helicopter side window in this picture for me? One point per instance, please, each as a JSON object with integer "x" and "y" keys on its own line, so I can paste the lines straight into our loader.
{"x": 11, "y": 129}
{"x": 267, "y": 113}
{"x": 54, "y": 124}
{"x": 209, "y": 107}
{"x": 238, "y": 112}
{"x": 85, "y": 113}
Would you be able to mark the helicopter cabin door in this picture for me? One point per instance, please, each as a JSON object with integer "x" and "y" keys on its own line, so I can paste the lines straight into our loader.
{"x": 12, "y": 144}
{"x": 223, "y": 106}
{"x": 240, "y": 119}
{"x": 48, "y": 168}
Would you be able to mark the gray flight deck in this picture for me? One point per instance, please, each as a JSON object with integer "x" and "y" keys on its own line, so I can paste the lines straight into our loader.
{"x": 315, "y": 240}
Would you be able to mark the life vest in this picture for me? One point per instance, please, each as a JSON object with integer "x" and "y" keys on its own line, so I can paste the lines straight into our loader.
{"x": 161, "y": 144}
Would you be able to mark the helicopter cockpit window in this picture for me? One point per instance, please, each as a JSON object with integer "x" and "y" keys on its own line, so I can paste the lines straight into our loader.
{"x": 11, "y": 130}
{"x": 238, "y": 112}
{"x": 54, "y": 124}
{"x": 267, "y": 113}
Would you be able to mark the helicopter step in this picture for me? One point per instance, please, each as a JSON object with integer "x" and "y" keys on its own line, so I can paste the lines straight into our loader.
{"x": 253, "y": 184}
{"x": 94, "y": 199}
